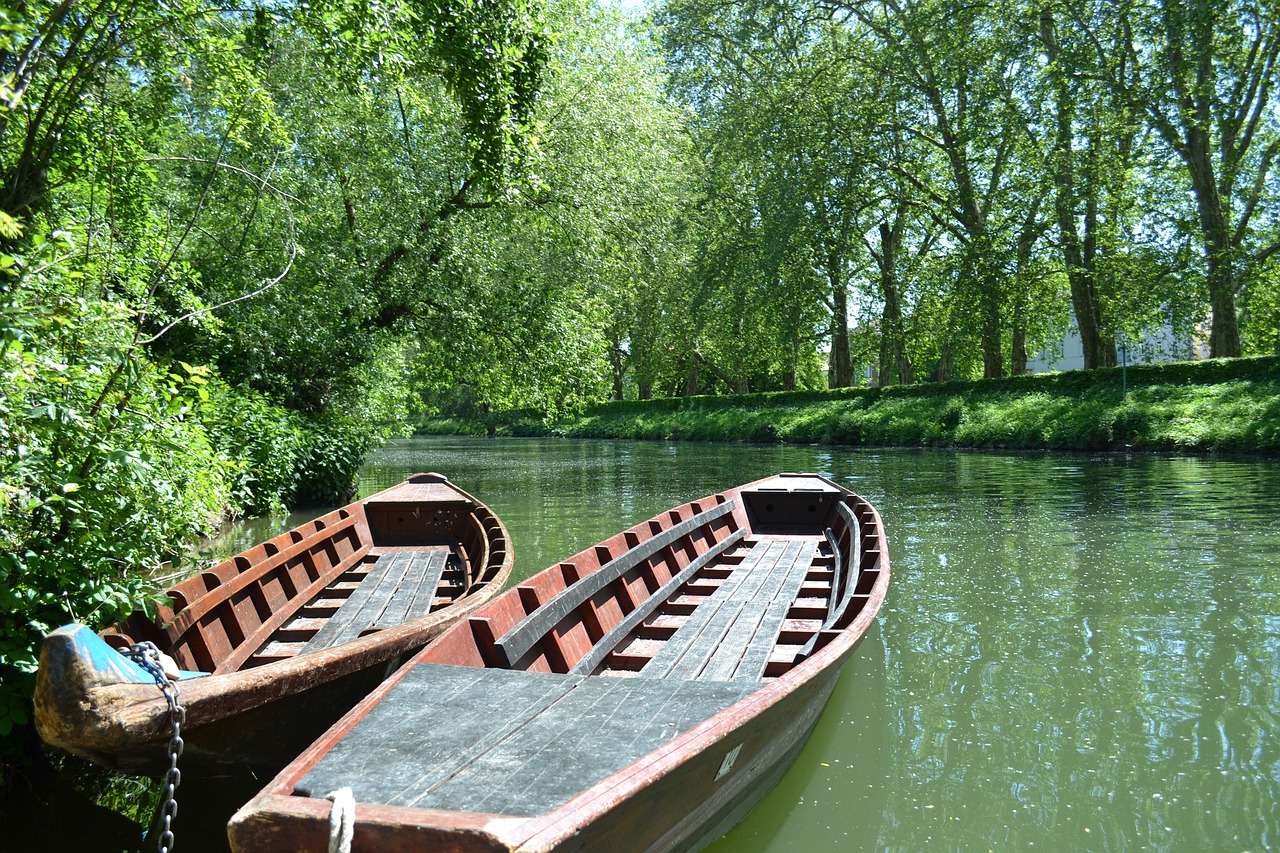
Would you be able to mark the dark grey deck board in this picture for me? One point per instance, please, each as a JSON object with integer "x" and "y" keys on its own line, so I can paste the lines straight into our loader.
{"x": 507, "y": 741}
{"x": 435, "y": 721}
{"x": 363, "y": 609}
{"x": 752, "y": 662}
{"x": 714, "y": 640}
{"x": 615, "y": 635}
{"x": 421, "y": 580}
{"x": 684, "y": 653}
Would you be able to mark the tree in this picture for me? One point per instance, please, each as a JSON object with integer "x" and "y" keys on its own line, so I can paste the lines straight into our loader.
{"x": 1202, "y": 72}
{"x": 961, "y": 63}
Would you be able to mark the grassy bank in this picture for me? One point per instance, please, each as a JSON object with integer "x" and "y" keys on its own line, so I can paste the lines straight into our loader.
{"x": 1229, "y": 405}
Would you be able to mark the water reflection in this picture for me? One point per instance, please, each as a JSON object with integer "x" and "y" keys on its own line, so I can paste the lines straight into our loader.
{"x": 1077, "y": 652}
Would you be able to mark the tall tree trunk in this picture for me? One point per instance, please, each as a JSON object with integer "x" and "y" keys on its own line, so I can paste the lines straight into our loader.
{"x": 840, "y": 367}
{"x": 895, "y": 364}
{"x": 989, "y": 304}
{"x": 618, "y": 361}
{"x": 1077, "y": 254}
{"x": 1224, "y": 332}
{"x": 1018, "y": 352}
{"x": 644, "y": 389}
{"x": 946, "y": 360}
{"x": 691, "y": 378}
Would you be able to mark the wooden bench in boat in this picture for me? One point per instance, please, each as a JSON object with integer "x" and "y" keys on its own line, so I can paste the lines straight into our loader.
{"x": 438, "y": 739}
{"x": 731, "y": 634}
{"x": 512, "y": 646}
{"x": 400, "y": 586}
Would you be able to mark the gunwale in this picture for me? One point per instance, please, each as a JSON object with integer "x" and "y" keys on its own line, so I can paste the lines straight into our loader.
{"x": 768, "y": 727}
{"x": 260, "y": 714}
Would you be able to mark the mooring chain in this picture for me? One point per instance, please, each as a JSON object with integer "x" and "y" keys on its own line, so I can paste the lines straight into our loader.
{"x": 147, "y": 656}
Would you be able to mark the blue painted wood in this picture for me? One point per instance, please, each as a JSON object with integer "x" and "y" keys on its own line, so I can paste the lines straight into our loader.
{"x": 106, "y": 660}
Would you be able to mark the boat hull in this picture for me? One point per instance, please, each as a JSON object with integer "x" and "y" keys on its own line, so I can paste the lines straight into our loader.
{"x": 674, "y": 792}
{"x": 257, "y": 717}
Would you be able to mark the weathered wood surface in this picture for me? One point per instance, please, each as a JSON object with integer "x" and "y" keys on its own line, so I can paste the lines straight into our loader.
{"x": 514, "y": 644}
{"x": 606, "y": 644}
{"x": 719, "y": 640}
{"x": 245, "y": 621}
{"x": 549, "y": 756}
{"x": 438, "y": 741}
{"x": 399, "y": 586}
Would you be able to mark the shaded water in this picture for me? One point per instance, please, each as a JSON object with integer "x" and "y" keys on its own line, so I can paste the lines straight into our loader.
{"x": 1077, "y": 652}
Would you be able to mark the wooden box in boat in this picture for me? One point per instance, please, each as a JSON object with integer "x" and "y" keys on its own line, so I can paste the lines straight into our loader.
{"x": 641, "y": 695}
{"x": 275, "y": 644}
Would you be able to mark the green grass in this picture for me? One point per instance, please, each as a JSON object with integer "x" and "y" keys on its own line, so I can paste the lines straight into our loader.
{"x": 1226, "y": 404}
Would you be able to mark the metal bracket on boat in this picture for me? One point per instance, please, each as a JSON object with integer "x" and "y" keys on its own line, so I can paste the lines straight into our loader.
{"x": 147, "y": 656}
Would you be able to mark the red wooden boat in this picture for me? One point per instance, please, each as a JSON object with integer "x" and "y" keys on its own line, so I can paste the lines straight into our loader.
{"x": 642, "y": 695}
{"x": 271, "y": 647}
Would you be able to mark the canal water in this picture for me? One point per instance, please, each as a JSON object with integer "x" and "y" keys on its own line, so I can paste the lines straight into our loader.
{"x": 1077, "y": 652}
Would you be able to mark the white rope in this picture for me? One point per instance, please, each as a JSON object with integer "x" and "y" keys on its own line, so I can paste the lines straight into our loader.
{"x": 342, "y": 820}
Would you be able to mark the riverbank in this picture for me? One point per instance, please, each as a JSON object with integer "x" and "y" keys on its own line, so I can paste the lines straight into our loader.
{"x": 1201, "y": 406}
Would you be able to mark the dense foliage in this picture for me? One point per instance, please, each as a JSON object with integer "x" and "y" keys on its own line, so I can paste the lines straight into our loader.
{"x": 240, "y": 244}
{"x": 189, "y": 328}
{"x": 975, "y": 181}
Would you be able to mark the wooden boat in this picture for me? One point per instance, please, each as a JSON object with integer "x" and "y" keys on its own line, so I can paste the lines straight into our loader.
{"x": 641, "y": 695}
{"x": 275, "y": 644}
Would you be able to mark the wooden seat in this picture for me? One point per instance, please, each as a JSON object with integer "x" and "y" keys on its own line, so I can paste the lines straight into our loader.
{"x": 731, "y": 634}
{"x": 400, "y": 586}
{"x": 450, "y": 737}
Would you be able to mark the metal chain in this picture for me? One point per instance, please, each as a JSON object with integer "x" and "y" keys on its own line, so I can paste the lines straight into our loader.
{"x": 147, "y": 656}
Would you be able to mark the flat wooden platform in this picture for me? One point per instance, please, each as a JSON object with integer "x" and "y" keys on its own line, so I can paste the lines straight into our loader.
{"x": 507, "y": 741}
{"x": 400, "y": 586}
{"x": 730, "y": 635}
{"x": 419, "y": 493}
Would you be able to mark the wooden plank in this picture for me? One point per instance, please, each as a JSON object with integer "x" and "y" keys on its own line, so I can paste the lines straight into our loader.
{"x": 597, "y": 729}
{"x": 615, "y": 635}
{"x": 246, "y": 650}
{"x": 198, "y": 606}
{"x": 422, "y": 576}
{"x": 689, "y": 649}
{"x": 752, "y": 662}
{"x": 516, "y": 642}
{"x": 539, "y": 740}
{"x": 365, "y": 604}
{"x": 434, "y": 722}
{"x": 759, "y": 617}
{"x": 852, "y": 575}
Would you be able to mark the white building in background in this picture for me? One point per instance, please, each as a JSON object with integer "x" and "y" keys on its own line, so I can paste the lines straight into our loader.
{"x": 1155, "y": 347}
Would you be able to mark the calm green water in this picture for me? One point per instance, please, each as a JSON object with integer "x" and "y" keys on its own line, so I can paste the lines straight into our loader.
{"x": 1077, "y": 652}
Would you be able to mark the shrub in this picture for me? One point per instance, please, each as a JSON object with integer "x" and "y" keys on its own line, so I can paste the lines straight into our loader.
{"x": 103, "y": 471}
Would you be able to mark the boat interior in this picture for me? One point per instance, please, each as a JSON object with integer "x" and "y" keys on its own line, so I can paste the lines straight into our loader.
{"x": 683, "y": 616}
{"x": 401, "y": 554}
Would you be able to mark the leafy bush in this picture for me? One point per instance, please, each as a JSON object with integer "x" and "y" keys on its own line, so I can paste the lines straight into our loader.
{"x": 103, "y": 472}
{"x": 111, "y": 464}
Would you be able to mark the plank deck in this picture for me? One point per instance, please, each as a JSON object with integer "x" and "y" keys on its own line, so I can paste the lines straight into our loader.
{"x": 508, "y": 741}
{"x": 398, "y": 587}
{"x": 731, "y": 634}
